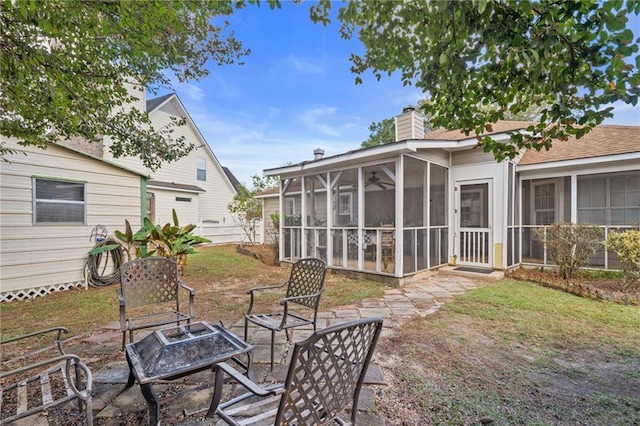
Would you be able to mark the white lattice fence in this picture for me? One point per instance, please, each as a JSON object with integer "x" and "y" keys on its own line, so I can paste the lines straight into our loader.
{"x": 32, "y": 293}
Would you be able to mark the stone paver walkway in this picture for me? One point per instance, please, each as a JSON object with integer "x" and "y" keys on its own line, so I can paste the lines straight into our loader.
{"x": 397, "y": 306}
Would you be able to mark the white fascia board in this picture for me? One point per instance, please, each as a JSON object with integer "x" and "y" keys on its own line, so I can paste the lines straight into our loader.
{"x": 578, "y": 162}
{"x": 172, "y": 189}
{"x": 352, "y": 156}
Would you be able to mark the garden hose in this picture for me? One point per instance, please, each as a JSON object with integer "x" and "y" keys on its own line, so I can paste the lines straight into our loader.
{"x": 96, "y": 266}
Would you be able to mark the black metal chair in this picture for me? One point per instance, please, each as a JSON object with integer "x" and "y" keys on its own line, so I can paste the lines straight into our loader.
{"x": 152, "y": 283}
{"x": 304, "y": 289}
{"x": 324, "y": 379}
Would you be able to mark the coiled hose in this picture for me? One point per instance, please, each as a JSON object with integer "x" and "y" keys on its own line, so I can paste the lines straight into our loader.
{"x": 97, "y": 264}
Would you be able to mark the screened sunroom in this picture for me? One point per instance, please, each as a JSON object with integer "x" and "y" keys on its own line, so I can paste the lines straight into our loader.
{"x": 385, "y": 217}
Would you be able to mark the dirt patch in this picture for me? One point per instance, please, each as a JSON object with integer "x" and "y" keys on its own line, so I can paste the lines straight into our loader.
{"x": 263, "y": 252}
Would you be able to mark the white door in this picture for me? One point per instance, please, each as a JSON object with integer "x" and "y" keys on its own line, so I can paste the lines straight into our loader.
{"x": 473, "y": 221}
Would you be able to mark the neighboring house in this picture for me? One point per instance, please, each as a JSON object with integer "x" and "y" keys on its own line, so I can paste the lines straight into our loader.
{"x": 196, "y": 186}
{"x": 436, "y": 198}
{"x": 50, "y": 200}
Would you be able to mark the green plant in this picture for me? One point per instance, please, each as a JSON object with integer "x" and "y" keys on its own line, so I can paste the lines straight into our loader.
{"x": 172, "y": 241}
{"x": 569, "y": 245}
{"x": 627, "y": 247}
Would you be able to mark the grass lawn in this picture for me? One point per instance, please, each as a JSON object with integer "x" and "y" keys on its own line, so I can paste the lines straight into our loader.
{"x": 219, "y": 275}
{"x": 516, "y": 353}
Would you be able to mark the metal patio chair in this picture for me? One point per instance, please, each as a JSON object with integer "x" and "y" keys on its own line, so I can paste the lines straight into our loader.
{"x": 304, "y": 288}
{"x": 152, "y": 283}
{"x": 324, "y": 379}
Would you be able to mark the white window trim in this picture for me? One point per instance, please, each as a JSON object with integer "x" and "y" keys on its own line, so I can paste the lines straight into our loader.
{"x": 35, "y": 201}
{"x": 204, "y": 168}
{"x": 349, "y": 210}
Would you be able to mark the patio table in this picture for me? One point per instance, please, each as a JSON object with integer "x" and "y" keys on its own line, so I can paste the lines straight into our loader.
{"x": 176, "y": 352}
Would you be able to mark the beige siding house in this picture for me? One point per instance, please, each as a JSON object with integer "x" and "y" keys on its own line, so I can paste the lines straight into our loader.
{"x": 431, "y": 199}
{"x": 50, "y": 200}
{"x": 196, "y": 186}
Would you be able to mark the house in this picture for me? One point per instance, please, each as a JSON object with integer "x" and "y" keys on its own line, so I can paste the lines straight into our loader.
{"x": 196, "y": 186}
{"x": 50, "y": 201}
{"x": 433, "y": 199}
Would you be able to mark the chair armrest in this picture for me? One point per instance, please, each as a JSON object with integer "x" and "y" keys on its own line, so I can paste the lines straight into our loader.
{"x": 251, "y": 292}
{"x": 120, "y": 297}
{"x": 286, "y": 300}
{"x": 58, "y": 330}
{"x": 191, "y": 291}
{"x": 271, "y": 287}
{"x": 70, "y": 378}
{"x": 252, "y": 387}
{"x": 297, "y": 298}
{"x": 192, "y": 294}
{"x": 249, "y": 384}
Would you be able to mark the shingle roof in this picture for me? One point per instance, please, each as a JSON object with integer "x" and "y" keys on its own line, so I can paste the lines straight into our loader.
{"x": 155, "y": 102}
{"x": 602, "y": 140}
{"x": 173, "y": 185}
{"x": 457, "y": 135}
{"x": 234, "y": 181}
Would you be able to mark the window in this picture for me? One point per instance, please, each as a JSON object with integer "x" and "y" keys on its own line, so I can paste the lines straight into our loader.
{"x": 289, "y": 206}
{"x": 183, "y": 199}
{"x": 609, "y": 200}
{"x": 344, "y": 205}
{"x": 202, "y": 169}
{"x": 58, "y": 201}
{"x": 544, "y": 201}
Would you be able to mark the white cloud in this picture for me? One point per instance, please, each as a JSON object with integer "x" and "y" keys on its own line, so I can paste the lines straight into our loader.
{"x": 192, "y": 91}
{"x": 312, "y": 119}
{"x": 305, "y": 65}
{"x": 274, "y": 112}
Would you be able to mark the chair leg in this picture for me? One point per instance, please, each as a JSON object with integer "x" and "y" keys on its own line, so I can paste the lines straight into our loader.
{"x": 246, "y": 325}
{"x": 273, "y": 337}
{"x": 124, "y": 339}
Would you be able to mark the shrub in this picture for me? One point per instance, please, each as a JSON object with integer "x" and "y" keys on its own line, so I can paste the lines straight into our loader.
{"x": 569, "y": 245}
{"x": 627, "y": 247}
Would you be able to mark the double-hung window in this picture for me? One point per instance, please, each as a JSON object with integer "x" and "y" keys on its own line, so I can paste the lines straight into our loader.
{"x": 202, "y": 169}
{"x": 59, "y": 201}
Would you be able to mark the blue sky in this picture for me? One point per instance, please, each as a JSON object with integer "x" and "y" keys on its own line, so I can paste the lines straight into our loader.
{"x": 296, "y": 93}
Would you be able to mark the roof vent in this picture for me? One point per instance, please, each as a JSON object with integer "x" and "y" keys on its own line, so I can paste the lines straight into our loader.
{"x": 318, "y": 153}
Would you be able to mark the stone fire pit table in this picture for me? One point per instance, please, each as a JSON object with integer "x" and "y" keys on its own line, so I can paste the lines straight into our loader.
{"x": 177, "y": 352}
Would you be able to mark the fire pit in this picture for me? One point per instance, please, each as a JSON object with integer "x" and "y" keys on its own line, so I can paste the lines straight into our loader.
{"x": 177, "y": 352}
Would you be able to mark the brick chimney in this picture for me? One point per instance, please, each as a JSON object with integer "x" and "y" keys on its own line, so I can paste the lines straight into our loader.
{"x": 318, "y": 153}
{"x": 409, "y": 124}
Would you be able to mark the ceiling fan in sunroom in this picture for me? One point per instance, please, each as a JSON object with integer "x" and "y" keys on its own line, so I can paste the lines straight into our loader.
{"x": 375, "y": 180}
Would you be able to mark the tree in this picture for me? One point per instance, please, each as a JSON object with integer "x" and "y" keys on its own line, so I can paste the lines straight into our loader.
{"x": 576, "y": 56}
{"x": 66, "y": 66}
{"x": 246, "y": 208}
{"x": 380, "y": 133}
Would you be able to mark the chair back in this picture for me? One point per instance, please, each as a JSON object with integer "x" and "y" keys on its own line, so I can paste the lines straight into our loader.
{"x": 307, "y": 277}
{"x": 326, "y": 373}
{"x": 149, "y": 280}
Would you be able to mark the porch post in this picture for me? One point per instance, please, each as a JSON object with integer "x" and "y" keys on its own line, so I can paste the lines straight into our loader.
{"x": 281, "y": 219}
{"x": 399, "y": 261}
{"x": 303, "y": 218}
{"x": 360, "y": 218}
{"x": 329, "y": 221}
{"x": 574, "y": 198}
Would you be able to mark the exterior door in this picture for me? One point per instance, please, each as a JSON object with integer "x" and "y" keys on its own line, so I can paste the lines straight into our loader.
{"x": 473, "y": 220}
